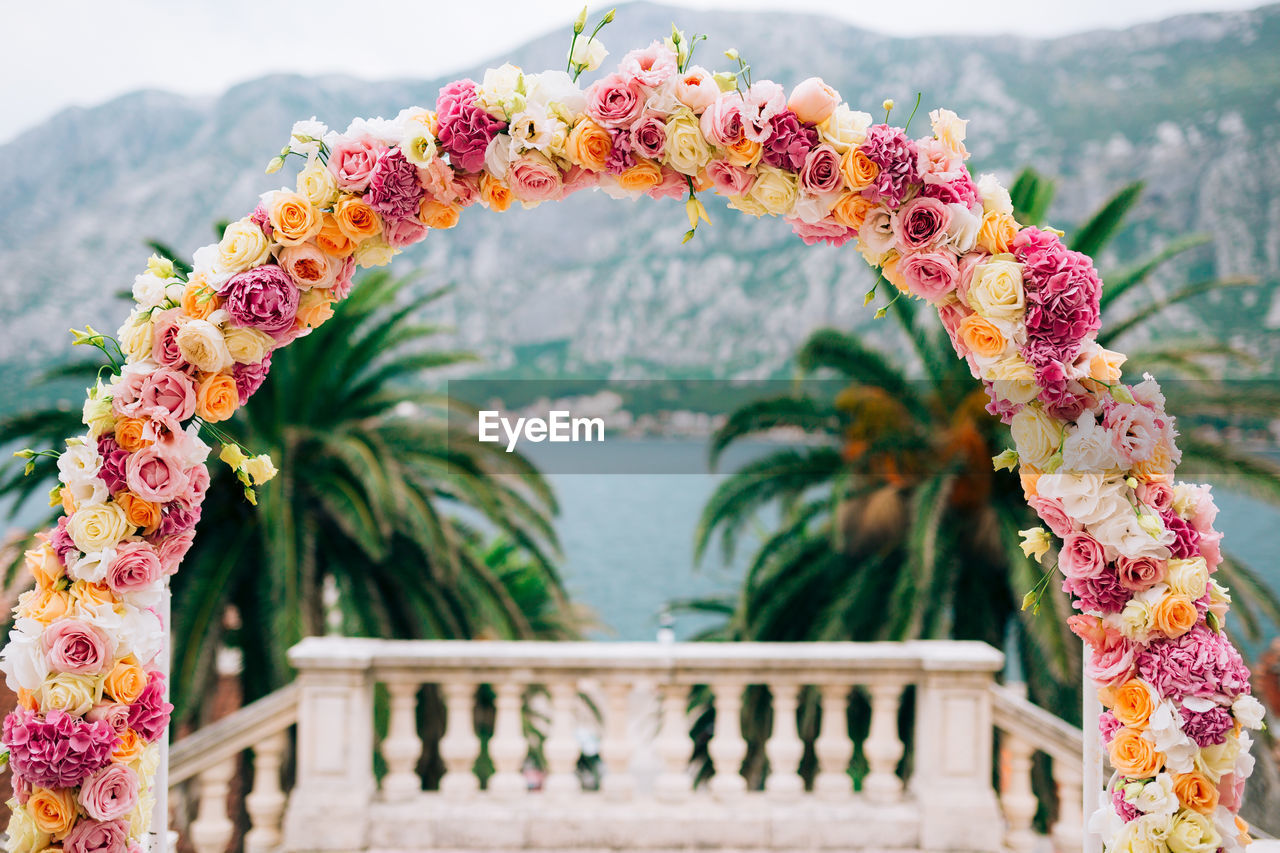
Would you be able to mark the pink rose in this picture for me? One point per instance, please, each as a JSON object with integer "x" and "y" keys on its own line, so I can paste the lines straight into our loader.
{"x": 135, "y": 568}
{"x": 615, "y": 101}
{"x": 154, "y": 475}
{"x": 164, "y": 338}
{"x": 578, "y": 178}
{"x": 91, "y": 836}
{"x": 649, "y": 136}
{"x": 76, "y": 647}
{"x": 1156, "y": 494}
{"x": 534, "y": 178}
{"x": 1054, "y": 514}
{"x": 116, "y": 715}
{"x": 400, "y": 233}
{"x": 1137, "y": 574}
{"x": 1231, "y": 792}
{"x": 721, "y": 123}
{"x": 309, "y": 267}
{"x": 351, "y": 161}
{"x": 263, "y": 298}
{"x": 824, "y": 231}
{"x": 672, "y": 185}
{"x": 126, "y": 394}
{"x": 697, "y": 89}
{"x": 168, "y": 393}
{"x": 171, "y": 550}
{"x": 728, "y": 179}
{"x": 968, "y": 263}
{"x": 1113, "y": 662}
{"x": 821, "y": 171}
{"x": 110, "y": 793}
{"x": 1082, "y": 556}
{"x": 929, "y": 275}
{"x": 813, "y": 101}
{"x": 921, "y": 223}
{"x": 650, "y": 66}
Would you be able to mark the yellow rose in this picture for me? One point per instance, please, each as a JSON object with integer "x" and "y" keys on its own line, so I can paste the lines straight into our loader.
{"x": 1188, "y": 577}
{"x": 995, "y": 291}
{"x": 75, "y": 694}
{"x": 374, "y": 253}
{"x": 294, "y": 219}
{"x": 775, "y": 191}
{"x": 316, "y": 184}
{"x": 1218, "y": 758}
{"x": 135, "y": 336}
{"x": 1015, "y": 380}
{"x": 203, "y": 345}
{"x": 315, "y": 307}
{"x": 243, "y": 246}
{"x": 53, "y": 811}
{"x": 1036, "y": 435}
{"x": 1192, "y": 832}
{"x": 24, "y": 835}
{"x": 996, "y": 233}
{"x": 687, "y": 150}
{"x": 248, "y": 346}
{"x": 94, "y": 528}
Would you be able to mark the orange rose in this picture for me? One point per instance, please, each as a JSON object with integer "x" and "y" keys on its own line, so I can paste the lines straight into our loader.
{"x": 1133, "y": 703}
{"x": 851, "y": 209}
{"x": 435, "y": 214}
{"x": 356, "y": 220}
{"x": 495, "y": 193}
{"x": 1196, "y": 792}
{"x": 129, "y": 749}
{"x": 331, "y": 240}
{"x": 43, "y": 604}
{"x": 27, "y": 699}
{"x": 216, "y": 397}
{"x": 293, "y": 218}
{"x": 315, "y": 307}
{"x": 1133, "y": 755}
{"x": 643, "y": 176}
{"x": 858, "y": 169}
{"x": 142, "y": 514}
{"x": 199, "y": 300}
{"x": 744, "y": 153}
{"x": 997, "y": 232}
{"x": 53, "y": 811}
{"x": 93, "y": 594}
{"x": 125, "y": 681}
{"x": 68, "y": 502}
{"x": 1029, "y": 475}
{"x": 44, "y": 565}
{"x": 129, "y": 432}
{"x": 589, "y": 145}
{"x": 1174, "y": 615}
{"x": 982, "y": 336}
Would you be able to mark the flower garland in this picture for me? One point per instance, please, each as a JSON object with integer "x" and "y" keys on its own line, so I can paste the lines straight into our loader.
{"x": 1096, "y": 456}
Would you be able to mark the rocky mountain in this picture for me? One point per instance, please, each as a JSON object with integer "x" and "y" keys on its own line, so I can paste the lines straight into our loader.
{"x": 597, "y": 287}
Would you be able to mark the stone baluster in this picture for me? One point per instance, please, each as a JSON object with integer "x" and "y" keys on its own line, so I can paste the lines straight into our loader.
{"x": 883, "y": 748}
{"x": 1017, "y": 800}
{"x": 727, "y": 747}
{"x": 402, "y": 747}
{"x": 1068, "y": 830}
{"x": 674, "y": 745}
{"x": 561, "y": 747}
{"x": 833, "y": 746}
{"x": 211, "y": 831}
{"x": 459, "y": 746}
{"x": 616, "y": 746}
{"x": 265, "y": 803}
{"x": 784, "y": 748}
{"x": 508, "y": 747}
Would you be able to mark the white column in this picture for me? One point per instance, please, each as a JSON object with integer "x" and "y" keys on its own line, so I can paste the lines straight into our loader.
{"x": 727, "y": 747}
{"x": 1017, "y": 799}
{"x": 402, "y": 747}
{"x": 561, "y": 746}
{"x": 1093, "y": 769}
{"x": 616, "y": 747}
{"x": 784, "y": 748}
{"x": 160, "y": 841}
{"x": 211, "y": 831}
{"x": 675, "y": 747}
{"x": 459, "y": 747}
{"x": 833, "y": 747}
{"x": 883, "y": 748}
{"x": 508, "y": 747}
{"x": 1068, "y": 831}
{"x": 265, "y": 803}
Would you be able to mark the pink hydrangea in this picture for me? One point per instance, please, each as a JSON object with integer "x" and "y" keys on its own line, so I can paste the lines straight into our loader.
{"x": 895, "y": 154}
{"x": 58, "y": 751}
{"x": 1108, "y": 725}
{"x": 958, "y": 191}
{"x": 394, "y": 190}
{"x": 788, "y": 142}
{"x": 824, "y": 231}
{"x": 1201, "y": 662}
{"x": 464, "y": 129}
{"x": 149, "y": 716}
{"x": 1062, "y": 291}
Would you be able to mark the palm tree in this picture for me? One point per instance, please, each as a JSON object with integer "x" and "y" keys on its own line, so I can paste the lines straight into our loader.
{"x": 422, "y": 530}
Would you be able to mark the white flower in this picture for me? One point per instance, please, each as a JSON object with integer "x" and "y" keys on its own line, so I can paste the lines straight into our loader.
{"x": 140, "y": 633}
{"x": 502, "y": 92}
{"x": 1188, "y": 577}
{"x": 962, "y": 233}
{"x": 1146, "y": 832}
{"x": 532, "y": 129}
{"x": 24, "y": 663}
{"x": 93, "y": 566}
{"x": 1088, "y": 446}
{"x": 844, "y": 128}
{"x": 1165, "y": 731}
{"x": 89, "y": 491}
{"x": 1248, "y": 711}
{"x": 148, "y": 290}
{"x": 555, "y": 88}
{"x": 1134, "y": 622}
{"x": 386, "y": 131}
{"x": 814, "y": 208}
{"x": 1036, "y": 435}
{"x": 498, "y": 156}
{"x": 205, "y": 265}
{"x": 79, "y": 462}
{"x": 1157, "y": 796}
{"x": 305, "y": 136}
{"x": 588, "y": 53}
{"x": 1125, "y": 534}
{"x": 1244, "y": 758}
{"x": 194, "y": 450}
{"x": 995, "y": 198}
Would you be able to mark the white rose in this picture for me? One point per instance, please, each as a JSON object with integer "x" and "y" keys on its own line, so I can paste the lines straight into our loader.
{"x": 588, "y": 53}
{"x": 1134, "y": 621}
{"x": 203, "y": 345}
{"x": 1188, "y": 577}
{"x": 1248, "y": 711}
{"x": 317, "y": 185}
{"x": 1157, "y": 796}
{"x": 995, "y": 198}
{"x": 813, "y": 208}
{"x": 94, "y": 528}
{"x": 140, "y": 633}
{"x": 1123, "y": 533}
{"x": 555, "y": 92}
{"x": 23, "y": 661}
{"x": 92, "y": 567}
{"x": 962, "y": 233}
{"x": 844, "y": 128}
{"x": 74, "y": 694}
{"x": 204, "y": 262}
{"x": 24, "y": 835}
{"x": 148, "y": 290}
{"x": 1193, "y": 832}
{"x": 243, "y": 246}
{"x": 775, "y": 190}
{"x": 79, "y": 462}
{"x": 996, "y": 289}
{"x": 1036, "y": 435}
{"x": 135, "y": 336}
{"x": 1088, "y": 446}
{"x": 386, "y": 131}
{"x": 88, "y": 492}
{"x": 192, "y": 449}
{"x": 688, "y": 151}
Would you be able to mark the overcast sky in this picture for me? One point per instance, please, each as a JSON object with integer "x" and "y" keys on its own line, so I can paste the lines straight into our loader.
{"x": 81, "y": 52}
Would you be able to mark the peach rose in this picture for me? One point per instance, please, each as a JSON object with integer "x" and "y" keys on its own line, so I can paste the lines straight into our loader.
{"x": 858, "y": 169}
{"x": 44, "y": 565}
{"x": 435, "y": 214}
{"x": 129, "y": 434}
{"x": 129, "y": 749}
{"x": 1196, "y": 792}
{"x": 308, "y": 266}
{"x": 744, "y": 153}
{"x": 43, "y": 605}
{"x": 142, "y": 514}
{"x": 851, "y": 209}
{"x": 1133, "y": 755}
{"x": 356, "y": 220}
{"x": 332, "y": 240}
{"x": 126, "y": 681}
{"x": 1029, "y": 476}
{"x": 68, "y": 502}
{"x": 642, "y": 177}
{"x": 813, "y": 101}
{"x": 294, "y": 219}
{"x": 1133, "y": 703}
{"x": 981, "y": 336}
{"x": 1155, "y": 467}
{"x": 1174, "y": 615}
{"x": 198, "y": 299}
{"x": 216, "y": 397}
{"x": 589, "y": 145}
{"x": 996, "y": 232}
{"x": 314, "y": 308}
{"x": 495, "y": 193}
{"x": 93, "y": 594}
{"x": 53, "y": 811}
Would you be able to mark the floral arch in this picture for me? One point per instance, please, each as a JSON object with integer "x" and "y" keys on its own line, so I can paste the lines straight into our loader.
{"x": 1097, "y": 457}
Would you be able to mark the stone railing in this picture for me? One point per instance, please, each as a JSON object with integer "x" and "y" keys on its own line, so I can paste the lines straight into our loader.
{"x": 627, "y": 710}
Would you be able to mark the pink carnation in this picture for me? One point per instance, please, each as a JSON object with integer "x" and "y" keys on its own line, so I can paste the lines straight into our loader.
{"x": 149, "y": 716}
{"x": 1207, "y": 728}
{"x": 114, "y": 458}
{"x": 959, "y": 191}
{"x": 249, "y": 377}
{"x": 621, "y": 153}
{"x": 464, "y": 129}
{"x": 58, "y": 751}
{"x": 1201, "y": 663}
{"x": 1100, "y": 594}
{"x": 895, "y": 154}
{"x": 394, "y": 190}
{"x": 1108, "y": 725}
{"x": 1126, "y": 810}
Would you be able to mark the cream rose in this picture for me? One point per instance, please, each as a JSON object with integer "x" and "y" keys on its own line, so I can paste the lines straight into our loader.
{"x": 135, "y": 336}
{"x": 775, "y": 191}
{"x": 75, "y": 694}
{"x": 996, "y": 289}
{"x": 844, "y": 128}
{"x": 1188, "y": 577}
{"x": 995, "y": 198}
{"x": 317, "y": 184}
{"x": 1192, "y": 832}
{"x": 687, "y": 150}
{"x": 24, "y": 835}
{"x": 203, "y": 345}
{"x": 248, "y": 346}
{"x": 96, "y": 528}
{"x": 243, "y": 245}
{"x": 1135, "y": 620}
{"x": 1036, "y": 435}
{"x": 374, "y": 252}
